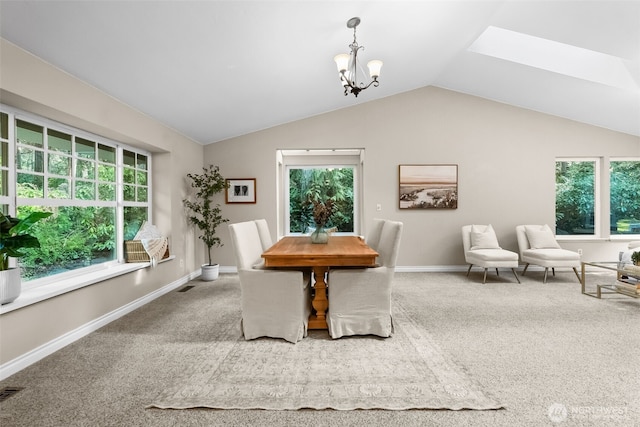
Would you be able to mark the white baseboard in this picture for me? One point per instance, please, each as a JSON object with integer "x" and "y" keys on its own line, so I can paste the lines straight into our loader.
{"x": 411, "y": 268}
{"x": 31, "y": 357}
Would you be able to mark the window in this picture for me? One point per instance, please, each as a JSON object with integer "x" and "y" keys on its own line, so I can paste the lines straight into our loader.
{"x": 576, "y": 197}
{"x": 307, "y": 184}
{"x": 5, "y": 154}
{"x": 307, "y": 174}
{"x": 624, "y": 179}
{"x": 581, "y": 190}
{"x": 97, "y": 189}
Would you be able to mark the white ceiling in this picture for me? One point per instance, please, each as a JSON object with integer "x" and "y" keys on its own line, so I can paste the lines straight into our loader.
{"x": 218, "y": 69}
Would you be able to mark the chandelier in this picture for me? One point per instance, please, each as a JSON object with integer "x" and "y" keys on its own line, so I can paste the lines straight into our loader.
{"x": 348, "y": 65}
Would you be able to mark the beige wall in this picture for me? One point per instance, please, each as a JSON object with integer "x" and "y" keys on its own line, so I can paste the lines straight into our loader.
{"x": 506, "y": 159}
{"x": 30, "y": 84}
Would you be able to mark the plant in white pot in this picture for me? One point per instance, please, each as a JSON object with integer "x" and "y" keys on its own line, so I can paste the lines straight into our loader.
{"x": 14, "y": 237}
{"x": 205, "y": 214}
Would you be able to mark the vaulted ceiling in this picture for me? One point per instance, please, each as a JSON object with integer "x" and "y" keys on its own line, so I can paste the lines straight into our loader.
{"x": 213, "y": 70}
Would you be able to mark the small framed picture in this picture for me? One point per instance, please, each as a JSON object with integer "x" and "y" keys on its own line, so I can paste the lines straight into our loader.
{"x": 241, "y": 190}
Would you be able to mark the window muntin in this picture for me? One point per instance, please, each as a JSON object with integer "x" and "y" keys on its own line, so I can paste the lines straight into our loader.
{"x": 77, "y": 177}
{"x": 4, "y": 155}
{"x": 624, "y": 196}
{"x": 576, "y": 197}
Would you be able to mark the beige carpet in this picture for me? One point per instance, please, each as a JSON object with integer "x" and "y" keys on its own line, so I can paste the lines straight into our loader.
{"x": 406, "y": 371}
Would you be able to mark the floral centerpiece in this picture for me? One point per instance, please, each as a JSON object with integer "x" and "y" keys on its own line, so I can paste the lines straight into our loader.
{"x": 322, "y": 212}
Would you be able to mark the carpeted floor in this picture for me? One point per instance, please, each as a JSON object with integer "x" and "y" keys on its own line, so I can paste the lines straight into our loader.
{"x": 407, "y": 371}
{"x": 551, "y": 355}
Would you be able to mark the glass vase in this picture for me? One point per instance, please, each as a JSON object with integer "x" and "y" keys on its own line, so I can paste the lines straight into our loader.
{"x": 319, "y": 235}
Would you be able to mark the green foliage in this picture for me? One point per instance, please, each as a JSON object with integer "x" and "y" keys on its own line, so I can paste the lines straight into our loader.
{"x": 204, "y": 214}
{"x": 75, "y": 238}
{"x": 635, "y": 258}
{"x": 574, "y": 196}
{"x": 309, "y": 185}
{"x": 625, "y": 191}
{"x": 575, "y": 202}
{"x": 15, "y": 237}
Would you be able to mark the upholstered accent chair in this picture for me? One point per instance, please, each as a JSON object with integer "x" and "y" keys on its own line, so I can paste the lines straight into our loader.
{"x": 481, "y": 248}
{"x": 538, "y": 245}
{"x": 275, "y": 303}
{"x": 360, "y": 299}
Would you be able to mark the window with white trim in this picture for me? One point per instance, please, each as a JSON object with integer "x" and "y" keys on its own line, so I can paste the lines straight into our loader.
{"x": 590, "y": 203}
{"x": 98, "y": 190}
{"x": 624, "y": 196}
{"x": 577, "y": 195}
{"x": 308, "y": 174}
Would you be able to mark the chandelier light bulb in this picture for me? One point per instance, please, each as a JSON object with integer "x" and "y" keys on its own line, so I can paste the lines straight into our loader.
{"x": 342, "y": 61}
{"x": 374, "y": 68}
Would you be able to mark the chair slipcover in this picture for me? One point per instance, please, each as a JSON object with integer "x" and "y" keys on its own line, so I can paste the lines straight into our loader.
{"x": 373, "y": 236}
{"x": 265, "y": 235}
{"x": 545, "y": 257}
{"x": 275, "y": 303}
{"x": 487, "y": 257}
{"x": 360, "y": 299}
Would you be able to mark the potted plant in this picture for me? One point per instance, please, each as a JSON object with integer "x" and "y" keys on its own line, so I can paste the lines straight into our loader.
{"x": 205, "y": 214}
{"x": 635, "y": 258}
{"x": 14, "y": 237}
{"x": 322, "y": 212}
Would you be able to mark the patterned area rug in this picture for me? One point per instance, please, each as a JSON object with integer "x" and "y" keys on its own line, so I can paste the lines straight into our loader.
{"x": 406, "y": 371}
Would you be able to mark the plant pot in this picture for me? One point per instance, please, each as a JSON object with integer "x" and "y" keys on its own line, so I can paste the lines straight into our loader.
{"x": 210, "y": 272}
{"x": 10, "y": 285}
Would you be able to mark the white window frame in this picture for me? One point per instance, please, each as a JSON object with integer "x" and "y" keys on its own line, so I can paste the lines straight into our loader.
{"x": 318, "y": 158}
{"x": 606, "y": 168}
{"x": 598, "y": 230}
{"x": 119, "y": 204}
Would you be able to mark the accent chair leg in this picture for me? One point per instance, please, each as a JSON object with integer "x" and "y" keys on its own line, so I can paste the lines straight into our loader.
{"x": 515, "y": 274}
{"x": 484, "y": 279}
{"x": 546, "y": 270}
{"x": 525, "y": 268}
{"x": 497, "y": 272}
{"x": 469, "y": 269}
{"x": 553, "y": 271}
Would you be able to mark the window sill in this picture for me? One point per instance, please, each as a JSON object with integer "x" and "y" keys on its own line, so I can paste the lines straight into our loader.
{"x": 616, "y": 238}
{"x": 44, "y": 292}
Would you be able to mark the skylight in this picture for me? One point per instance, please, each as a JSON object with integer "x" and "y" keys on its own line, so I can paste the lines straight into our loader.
{"x": 555, "y": 57}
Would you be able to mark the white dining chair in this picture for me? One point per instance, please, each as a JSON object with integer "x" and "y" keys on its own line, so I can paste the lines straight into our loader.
{"x": 360, "y": 299}
{"x": 275, "y": 303}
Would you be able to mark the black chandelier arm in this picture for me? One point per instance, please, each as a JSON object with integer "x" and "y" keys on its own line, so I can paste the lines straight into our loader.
{"x": 355, "y": 90}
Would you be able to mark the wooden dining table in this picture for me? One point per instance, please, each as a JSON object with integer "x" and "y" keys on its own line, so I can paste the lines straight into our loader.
{"x": 339, "y": 251}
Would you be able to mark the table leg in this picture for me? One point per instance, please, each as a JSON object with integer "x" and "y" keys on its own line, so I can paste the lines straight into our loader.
{"x": 320, "y": 303}
{"x": 583, "y": 278}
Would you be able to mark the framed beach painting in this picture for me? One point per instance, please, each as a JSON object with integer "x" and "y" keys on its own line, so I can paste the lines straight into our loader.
{"x": 428, "y": 186}
{"x": 241, "y": 190}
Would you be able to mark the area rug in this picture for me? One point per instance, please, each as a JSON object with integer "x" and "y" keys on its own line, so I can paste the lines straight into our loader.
{"x": 406, "y": 371}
